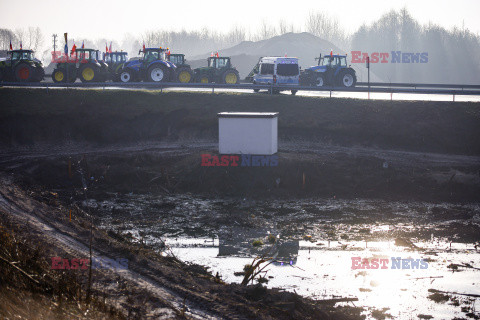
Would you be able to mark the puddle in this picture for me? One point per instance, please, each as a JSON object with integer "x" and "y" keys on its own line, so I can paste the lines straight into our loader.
{"x": 314, "y": 242}
{"x": 324, "y": 273}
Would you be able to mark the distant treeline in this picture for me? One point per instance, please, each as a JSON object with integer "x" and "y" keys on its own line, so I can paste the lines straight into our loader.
{"x": 453, "y": 55}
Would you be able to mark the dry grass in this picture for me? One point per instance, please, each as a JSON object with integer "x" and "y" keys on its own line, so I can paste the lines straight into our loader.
{"x": 29, "y": 289}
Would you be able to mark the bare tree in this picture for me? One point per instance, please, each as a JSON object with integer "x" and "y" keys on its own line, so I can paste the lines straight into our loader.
{"x": 282, "y": 26}
{"x": 31, "y": 38}
{"x": 326, "y": 27}
{"x": 6, "y": 35}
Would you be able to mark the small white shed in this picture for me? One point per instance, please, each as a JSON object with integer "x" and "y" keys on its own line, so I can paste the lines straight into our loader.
{"x": 248, "y": 133}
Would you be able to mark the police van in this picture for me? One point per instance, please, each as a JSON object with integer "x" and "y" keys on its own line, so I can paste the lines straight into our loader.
{"x": 277, "y": 70}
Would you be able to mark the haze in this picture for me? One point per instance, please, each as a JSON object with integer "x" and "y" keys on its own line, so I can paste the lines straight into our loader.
{"x": 113, "y": 19}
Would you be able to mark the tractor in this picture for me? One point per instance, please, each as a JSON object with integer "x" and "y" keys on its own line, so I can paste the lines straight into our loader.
{"x": 86, "y": 65}
{"x": 115, "y": 61}
{"x": 21, "y": 66}
{"x": 219, "y": 70}
{"x": 152, "y": 66}
{"x": 332, "y": 70}
{"x": 184, "y": 73}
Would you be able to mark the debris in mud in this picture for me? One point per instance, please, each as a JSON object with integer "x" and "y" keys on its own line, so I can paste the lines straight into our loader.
{"x": 438, "y": 297}
{"x": 381, "y": 314}
{"x": 402, "y": 242}
{"x": 425, "y": 316}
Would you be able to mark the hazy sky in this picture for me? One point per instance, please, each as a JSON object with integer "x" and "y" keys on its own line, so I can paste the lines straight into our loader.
{"x": 112, "y": 19}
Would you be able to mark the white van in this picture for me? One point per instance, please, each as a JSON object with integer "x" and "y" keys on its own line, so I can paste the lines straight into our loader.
{"x": 277, "y": 70}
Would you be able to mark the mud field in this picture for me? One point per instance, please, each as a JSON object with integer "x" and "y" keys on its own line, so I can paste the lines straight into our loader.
{"x": 355, "y": 179}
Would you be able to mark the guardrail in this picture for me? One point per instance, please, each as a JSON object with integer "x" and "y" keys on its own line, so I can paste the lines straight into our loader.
{"x": 361, "y": 87}
{"x": 418, "y": 85}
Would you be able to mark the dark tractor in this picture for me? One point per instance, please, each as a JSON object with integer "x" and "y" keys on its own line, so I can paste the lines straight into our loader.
{"x": 219, "y": 70}
{"x": 115, "y": 61}
{"x": 21, "y": 66}
{"x": 183, "y": 73}
{"x": 152, "y": 66}
{"x": 332, "y": 70}
{"x": 87, "y": 65}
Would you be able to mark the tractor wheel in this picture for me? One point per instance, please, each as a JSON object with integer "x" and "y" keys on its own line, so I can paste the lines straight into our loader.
{"x": 58, "y": 75}
{"x": 88, "y": 73}
{"x": 230, "y": 76}
{"x": 319, "y": 80}
{"x": 40, "y": 74}
{"x": 72, "y": 76}
{"x": 184, "y": 75}
{"x": 255, "y": 90}
{"x": 126, "y": 76}
{"x": 204, "y": 78}
{"x": 346, "y": 79}
{"x": 273, "y": 91}
{"x": 294, "y": 92}
{"x": 24, "y": 72}
{"x": 157, "y": 73}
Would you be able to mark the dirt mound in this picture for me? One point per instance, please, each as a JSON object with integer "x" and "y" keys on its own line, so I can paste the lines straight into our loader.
{"x": 64, "y": 117}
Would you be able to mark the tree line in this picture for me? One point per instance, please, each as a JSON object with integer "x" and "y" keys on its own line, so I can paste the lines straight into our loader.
{"x": 453, "y": 55}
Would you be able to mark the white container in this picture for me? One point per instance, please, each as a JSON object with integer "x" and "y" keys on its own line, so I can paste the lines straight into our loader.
{"x": 248, "y": 133}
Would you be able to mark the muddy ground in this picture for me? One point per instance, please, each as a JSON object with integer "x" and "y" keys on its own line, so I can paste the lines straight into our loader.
{"x": 346, "y": 169}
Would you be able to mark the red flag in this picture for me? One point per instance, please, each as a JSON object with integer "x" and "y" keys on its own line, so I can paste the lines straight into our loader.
{"x": 144, "y": 46}
{"x": 21, "y": 47}
{"x": 110, "y": 49}
{"x": 74, "y": 48}
{"x": 83, "y": 44}
{"x": 331, "y": 52}
{"x": 211, "y": 55}
{"x": 11, "y": 48}
{"x": 217, "y": 54}
{"x": 106, "y": 47}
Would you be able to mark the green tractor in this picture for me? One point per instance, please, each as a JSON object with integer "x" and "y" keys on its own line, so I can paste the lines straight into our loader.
{"x": 86, "y": 65}
{"x": 219, "y": 70}
{"x": 183, "y": 73}
{"x": 21, "y": 66}
{"x": 115, "y": 61}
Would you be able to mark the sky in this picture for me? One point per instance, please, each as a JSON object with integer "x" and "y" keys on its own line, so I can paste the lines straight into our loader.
{"x": 112, "y": 19}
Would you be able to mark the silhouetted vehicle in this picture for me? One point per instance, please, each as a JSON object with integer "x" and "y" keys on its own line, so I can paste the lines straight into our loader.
{"x": 332, "y": 70}
{"x": 184, "y": 72}
{"x": 21, "y": 66}
{"x": 219, "y": 70}
{"x": 152, "y": 66}
{"x": 86, "y": 64}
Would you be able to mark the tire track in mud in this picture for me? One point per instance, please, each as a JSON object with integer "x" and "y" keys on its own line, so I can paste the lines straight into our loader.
{"x": 175, "y": 297}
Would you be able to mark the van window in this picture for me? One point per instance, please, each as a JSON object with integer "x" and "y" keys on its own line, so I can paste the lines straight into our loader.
{"x": 267, "y": 68}
{"x": 287, "y": 69}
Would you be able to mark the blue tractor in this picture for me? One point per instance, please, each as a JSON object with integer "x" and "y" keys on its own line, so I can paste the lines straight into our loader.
{"x": 152, "y": 66}
{"x": 331, "y": 71}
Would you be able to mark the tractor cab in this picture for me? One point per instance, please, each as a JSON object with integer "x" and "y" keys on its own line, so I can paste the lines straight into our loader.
{"x": 87, "y": 55}
{"x": 177, "y": 59}
{"x": 17, "y": 55}
{"x": 333, "y": 61}
{"x": 115, "y": 58}
{"x": 219, "y": 62}
{"x": 152, "y": 54}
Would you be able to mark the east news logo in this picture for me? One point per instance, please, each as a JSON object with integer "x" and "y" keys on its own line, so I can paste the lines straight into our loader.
{"x": 397, "y": 263}
{"x": 243, "y": 160}
{"x": 396, "y": 57}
